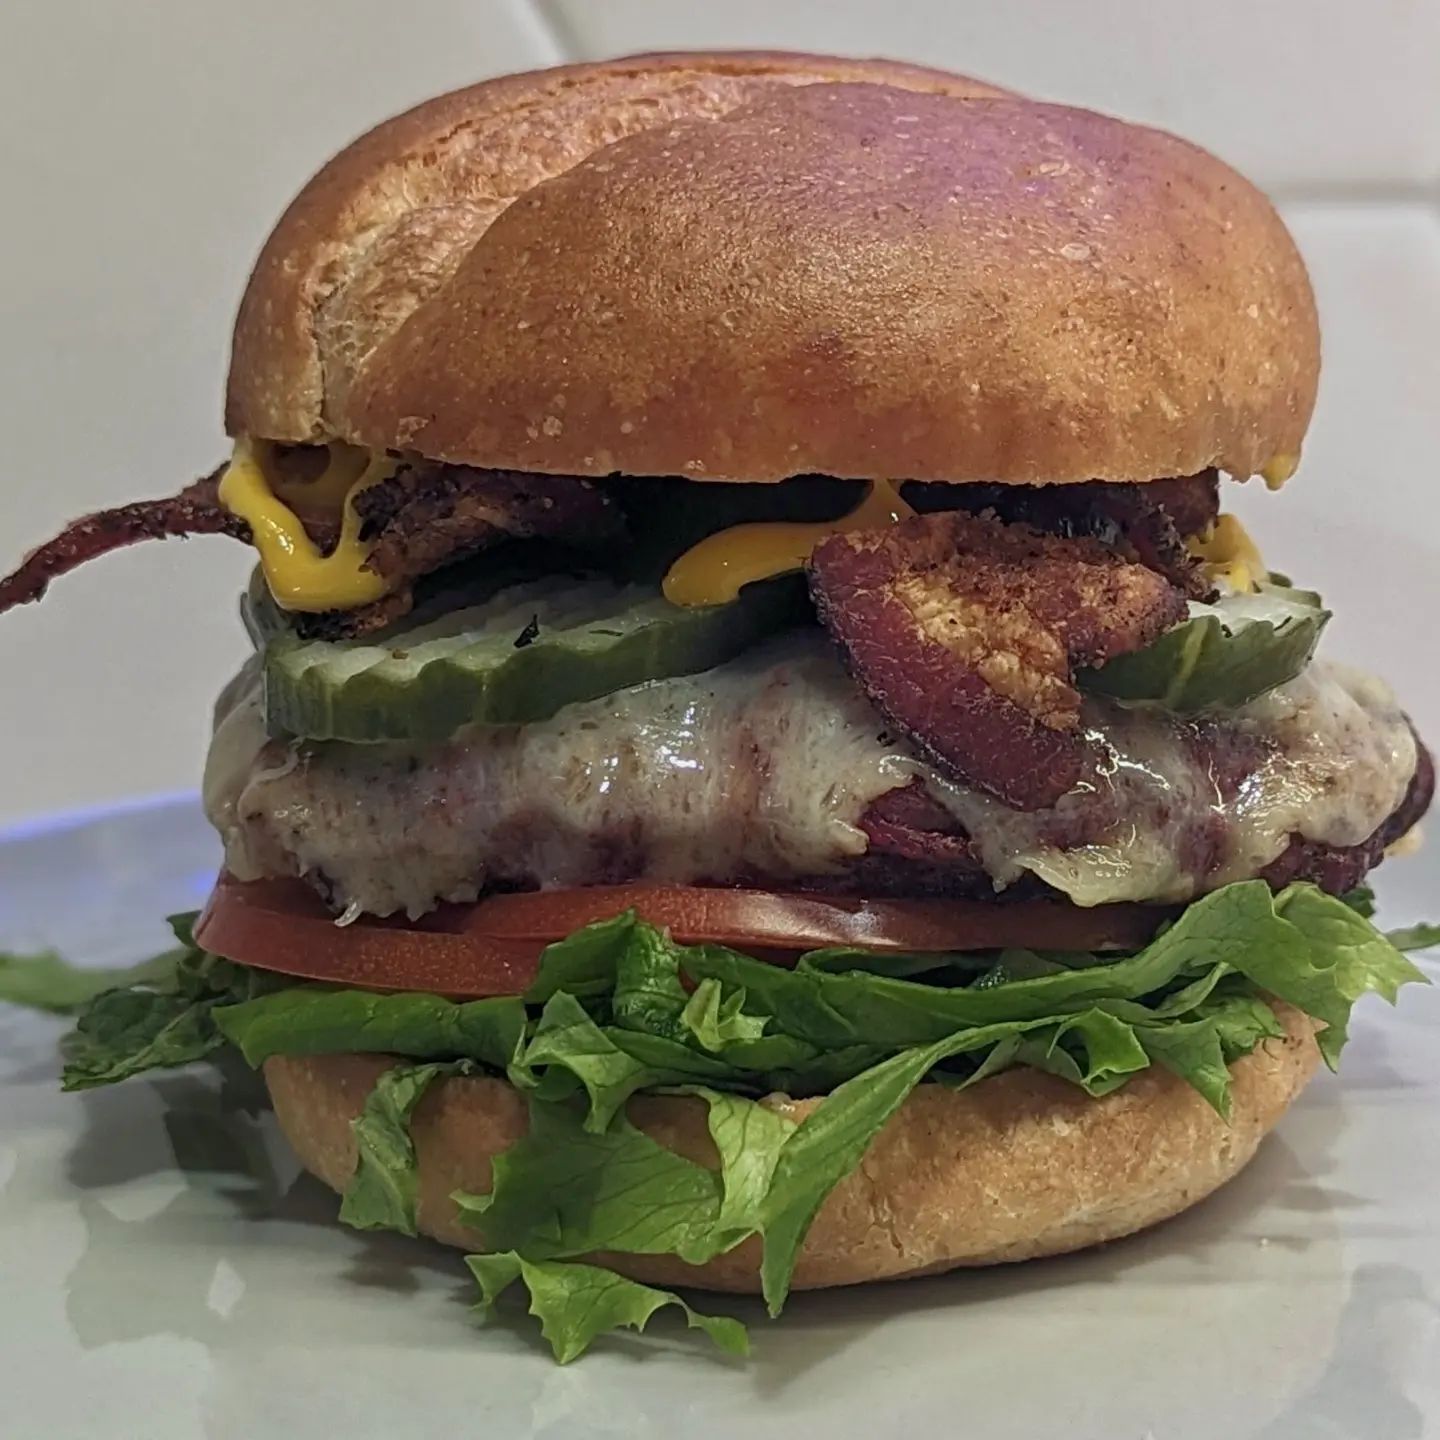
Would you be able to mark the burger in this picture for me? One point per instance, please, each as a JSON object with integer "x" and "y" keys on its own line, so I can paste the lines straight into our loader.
{"x": 765, "y": 762}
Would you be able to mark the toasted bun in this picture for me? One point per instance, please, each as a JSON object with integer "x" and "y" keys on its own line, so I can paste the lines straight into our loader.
{"x": 750, "y": 266}
{"x": 1022, "y": 1165}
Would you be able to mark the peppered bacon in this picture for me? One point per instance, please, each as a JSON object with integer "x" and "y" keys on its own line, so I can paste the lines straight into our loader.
{"x": 426, "y": 516}
{"x": 965, "y": 632}
{"x": 429, "y": 516}
{"x": 363, "y": 620}
{"x": 194, "y": 511}
{"x": 909, "y": 823}
{"x": 1147, "y": 523}
{"x": 1154, "y": 519}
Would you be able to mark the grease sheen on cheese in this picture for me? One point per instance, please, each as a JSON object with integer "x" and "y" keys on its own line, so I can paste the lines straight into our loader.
{"x": 764, "y": 767}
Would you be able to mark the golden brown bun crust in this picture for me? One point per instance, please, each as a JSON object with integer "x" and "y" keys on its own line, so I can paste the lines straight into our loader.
{"x": 714, "y": 268}
{"x": 384, "y": 224}
{"x": 1020, "y": 1166}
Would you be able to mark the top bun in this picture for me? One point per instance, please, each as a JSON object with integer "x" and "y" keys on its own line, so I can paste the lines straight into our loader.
{"x": 750, "y": 266}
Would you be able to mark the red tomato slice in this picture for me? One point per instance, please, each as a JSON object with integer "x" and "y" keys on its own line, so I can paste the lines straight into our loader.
{"x": 493, "y": 946}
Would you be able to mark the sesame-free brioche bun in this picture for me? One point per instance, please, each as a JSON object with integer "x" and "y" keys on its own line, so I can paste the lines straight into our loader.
{"x": 1019, "y": 1166}
{"x": 751, "y": 266}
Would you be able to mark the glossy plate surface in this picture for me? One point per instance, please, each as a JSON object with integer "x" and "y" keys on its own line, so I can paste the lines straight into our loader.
{"x": 165, "y": 1273}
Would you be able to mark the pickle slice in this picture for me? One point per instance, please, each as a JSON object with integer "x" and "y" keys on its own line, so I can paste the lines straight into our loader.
{"x": 1223, "y": 656}
{"x": 523, "y": 654}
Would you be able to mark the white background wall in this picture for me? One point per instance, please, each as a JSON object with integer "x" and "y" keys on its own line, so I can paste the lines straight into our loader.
{"x": 147, "y": 147}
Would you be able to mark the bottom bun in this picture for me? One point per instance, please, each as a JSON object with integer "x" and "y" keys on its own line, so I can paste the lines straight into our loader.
{"x": 1019, "y": 1166}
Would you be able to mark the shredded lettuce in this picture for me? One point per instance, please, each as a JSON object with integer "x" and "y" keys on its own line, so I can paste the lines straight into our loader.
{"x": 619, "y": 1009}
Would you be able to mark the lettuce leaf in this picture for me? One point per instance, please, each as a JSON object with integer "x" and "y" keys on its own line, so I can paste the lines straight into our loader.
{"x": 1199, "y": 1051}
{"x": 1361, "y": 900}
{"x": 566, "y": 1190}
{"x": 1303, "y": 945}
{"x": 648, "y": 995}
{"x": 749, "y": 1139}
{"x": 575, "y": 1303}
{"x": 122, "y": 1033}
{"x": 718, "y": 1021}
{"x": 382, "y": 1192}
{"x": 319, "y": 1020}
{"x": 584, "y": 963}
{"x": 610, "y": 1067}
{"x": 619, "y": 1008}
{"x": 829, "y": 1143}
{"x": 825, "y": 1148}
{"x": 163, "y": 1020}
{"x": 47, "y": 982}
{"x": 1414, "y": 937}
{"x": 1342, "y": 957}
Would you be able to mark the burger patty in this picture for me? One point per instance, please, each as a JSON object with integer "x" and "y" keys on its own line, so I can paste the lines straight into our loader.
{"x": 774, "y": 770}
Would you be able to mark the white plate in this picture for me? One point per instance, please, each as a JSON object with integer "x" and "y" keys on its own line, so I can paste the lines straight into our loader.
{"x": 164, "y": 1271}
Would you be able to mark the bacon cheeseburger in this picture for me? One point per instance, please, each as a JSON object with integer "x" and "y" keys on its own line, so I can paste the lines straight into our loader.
{"x": 764, "y": 763}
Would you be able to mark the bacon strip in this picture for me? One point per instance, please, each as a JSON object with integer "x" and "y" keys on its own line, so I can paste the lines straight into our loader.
{"x": 422, "y": 519}
{"x": 965, "y": 632}
{"x": 1147, "y": 522}
{"x": 196, "y": 510}
{"x": 427, "y": 516}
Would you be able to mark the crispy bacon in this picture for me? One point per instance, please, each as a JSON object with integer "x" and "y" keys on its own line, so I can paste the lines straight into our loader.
{"x": 965, "y": 633}
{"x": 1147, "y": 522}
{"x": 1154, "y": 519}
{"x": 194, "y": 511}
{"x": 427, "y": 515}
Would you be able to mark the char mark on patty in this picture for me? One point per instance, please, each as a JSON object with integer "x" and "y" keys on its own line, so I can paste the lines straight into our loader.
{"x": 965, "y": 632}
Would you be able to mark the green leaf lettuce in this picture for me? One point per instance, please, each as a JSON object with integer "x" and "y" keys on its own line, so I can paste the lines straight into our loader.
{"x": 620, "y": 1013}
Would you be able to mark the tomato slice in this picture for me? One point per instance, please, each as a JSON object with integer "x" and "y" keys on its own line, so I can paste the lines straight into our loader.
{"x": 492, "y": 947}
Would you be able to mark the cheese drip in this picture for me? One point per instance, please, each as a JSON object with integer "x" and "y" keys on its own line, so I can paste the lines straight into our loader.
{"x": 1278, "y": 469}
{"x": 714, "y": 571}
{"x": 1229, "y": 554}
{"x": 299, "y": 575}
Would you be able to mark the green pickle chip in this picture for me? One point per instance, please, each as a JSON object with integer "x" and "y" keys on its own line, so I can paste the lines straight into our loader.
{"x": 516, "y": 658}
